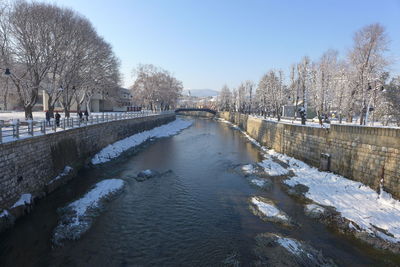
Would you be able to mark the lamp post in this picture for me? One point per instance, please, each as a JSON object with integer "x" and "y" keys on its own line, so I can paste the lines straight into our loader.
{"x": 372, "y": 98}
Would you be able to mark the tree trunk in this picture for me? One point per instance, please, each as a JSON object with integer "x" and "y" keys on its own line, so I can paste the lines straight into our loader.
{"x": 363, "y": 115}
{"x": 278, "y": 114}
{"x": 28, "y": 112}
{"x": 51, "y": 111}
{"x": 319, "y": 117}
{"x": 66, "y": 112}
{"x": 5, "y": 101}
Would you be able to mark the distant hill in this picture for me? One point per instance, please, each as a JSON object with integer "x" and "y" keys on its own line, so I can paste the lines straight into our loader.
{"x": 201, "y": 92}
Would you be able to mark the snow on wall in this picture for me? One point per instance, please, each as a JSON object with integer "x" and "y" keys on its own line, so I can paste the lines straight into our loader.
{"x": 365, "y": 154}
{"x": 28, "y": 165}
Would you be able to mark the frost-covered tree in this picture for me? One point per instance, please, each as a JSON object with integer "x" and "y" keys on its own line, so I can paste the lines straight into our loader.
{"x": 303, "y": 74}
{"x": 224, "y": 103}
{"x": 272, "y": 93}
{"x": 155, "y": 88}
{"x": 56, "y": 50}
{"x": 368, "y": 61}
{"x": 323, "y": 83}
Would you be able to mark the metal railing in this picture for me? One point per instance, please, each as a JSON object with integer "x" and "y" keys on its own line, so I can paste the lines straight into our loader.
{"x": 16, "y": 130}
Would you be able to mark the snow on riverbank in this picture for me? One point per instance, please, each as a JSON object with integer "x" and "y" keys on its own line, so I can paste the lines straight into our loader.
{"x": 272, "y": 168}
{"x": 114, "y": 150}
{"x": 277, "y": 250}
{"x": 355, "y": 201}
{"x": 67, "y": 170}
{"x": 258, "y": 182}
{"x": 268, "y": 209}
{"x": 375, "y": 214}
{"x": 291, "y": 245}
{"x": 25, "y": 199}
{"x": 4, "y": 213}
{"x": 248, "y": 169}
{"x": 77, "y": 217}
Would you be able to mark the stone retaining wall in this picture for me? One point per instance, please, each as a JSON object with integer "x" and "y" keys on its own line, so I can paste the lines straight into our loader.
{"x": 365, "y": 154}
{"x": 196, "y": 114}
{"x": 26, "y": 166}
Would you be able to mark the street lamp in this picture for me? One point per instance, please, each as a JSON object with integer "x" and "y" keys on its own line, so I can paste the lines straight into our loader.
{"x": 373, "y": 97}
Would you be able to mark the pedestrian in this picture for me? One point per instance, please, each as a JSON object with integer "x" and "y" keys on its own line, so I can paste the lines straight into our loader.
{"x": 80, "y": 116}
{"x": 87, "y": 115}
{"x": 48, "y": 115}
{"x": 58, "y": 117}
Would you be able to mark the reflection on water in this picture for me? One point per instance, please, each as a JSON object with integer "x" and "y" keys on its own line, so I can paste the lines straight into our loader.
{"x": 195, "y": 215}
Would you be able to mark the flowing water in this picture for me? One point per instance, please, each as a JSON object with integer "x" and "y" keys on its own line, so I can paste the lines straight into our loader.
{"x": 196, "y": 215}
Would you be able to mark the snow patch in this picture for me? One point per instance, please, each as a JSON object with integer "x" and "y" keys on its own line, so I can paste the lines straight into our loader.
{"x": 258, "y": 182}
{"x": 25, "y": 199}
{"x": 67, "y": 170}
{"x": 114, "y": 150}
{"x": 147, "y": 172}
{"x": 248, "y": 169}
{"x": 290, "y": 245}
{"x": 77, "y": 217}
{"x": 4, "y": 213}
{"x": 251, "y": 139}
{"x": 314, "y": 208}
{"x": 355, "y": 201}
{"x": 272, "y": 168}
{"x": 268, "y": 209}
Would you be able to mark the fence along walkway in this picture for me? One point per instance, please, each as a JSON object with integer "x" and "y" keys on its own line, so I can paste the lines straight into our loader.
{"x": 17, "y": 130}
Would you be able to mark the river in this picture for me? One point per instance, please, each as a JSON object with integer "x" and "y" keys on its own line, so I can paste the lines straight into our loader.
{"x": 195, "y": 215}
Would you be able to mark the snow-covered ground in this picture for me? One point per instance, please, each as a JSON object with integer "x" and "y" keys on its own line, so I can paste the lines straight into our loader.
{"x": 67, "y": 170}
{"x": 290, "y": 244}
{"x": 314, "y": 209}
{"x": 277, "y": 250}
{"x": 24, "y": 199}
{"x": 315, "y": 123}
{"x": 272, "y": 168}
{"x": 355, "y": 201}
{"x": 41, "y": 115}
{"x": 114, "y": 150}
{"x": 248, "y": 169}
{"x": 291, "y": 121}
{"x": 268, "y": 209}
{"x": 4, "y": 213}
{"x": 258, "y": 182}
{"x": 77, "y": 217}
{"x": 11, "y": 118}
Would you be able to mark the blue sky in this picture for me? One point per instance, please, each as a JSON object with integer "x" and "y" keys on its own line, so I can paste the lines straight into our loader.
{"x": 206, "y": 44}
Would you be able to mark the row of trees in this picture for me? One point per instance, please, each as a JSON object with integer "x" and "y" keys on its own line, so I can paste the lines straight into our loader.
{"x": 46, "y": 47}
{"x": 155, "y": 88}
{"x": 351, "y": 88}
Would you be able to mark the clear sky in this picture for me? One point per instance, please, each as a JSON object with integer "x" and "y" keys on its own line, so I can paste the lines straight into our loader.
{"x": 207, "y": 43}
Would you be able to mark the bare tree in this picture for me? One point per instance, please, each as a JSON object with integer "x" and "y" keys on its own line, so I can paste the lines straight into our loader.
{"x": 249, "y": 88}
{"x": 272, "y": 92}
{"x": 225, "y": 99}
{"x": 31, "y": 34}
{"x": 368, "y": 60}
{"x": 324, "y": 83}
{"x": 56, "y": 50}
{"x": 155, "y": 88}
{"x": 303, "y": 70}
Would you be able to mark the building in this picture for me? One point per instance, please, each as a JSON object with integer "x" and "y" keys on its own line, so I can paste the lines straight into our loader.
{"x": 121, "y": 100}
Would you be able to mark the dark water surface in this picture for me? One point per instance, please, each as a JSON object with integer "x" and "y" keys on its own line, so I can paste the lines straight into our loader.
{"x": 197, "y": 215}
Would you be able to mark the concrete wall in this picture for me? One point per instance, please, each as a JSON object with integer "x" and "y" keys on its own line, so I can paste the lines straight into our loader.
{"x": 365, "y": 154}
{"x": 26, "y": 166}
